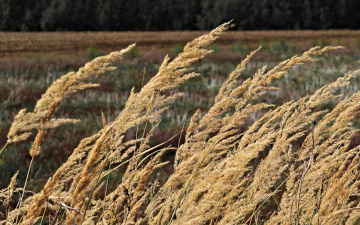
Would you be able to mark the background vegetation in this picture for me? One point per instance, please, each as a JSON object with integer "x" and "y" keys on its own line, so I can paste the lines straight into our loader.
{"x": 122, "y": 15}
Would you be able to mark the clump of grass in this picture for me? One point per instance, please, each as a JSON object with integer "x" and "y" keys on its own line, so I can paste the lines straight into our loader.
{"x": 358, "y": 43}
{"x": 244, "y": 161}
{"x": 279, "y": 46}
{"x": 176, "y": 49}
{"x": 133, "y": 53}
{"x": 282, "y": 46}
{"x": 239, "y": 47}
{"x": 321, "y": 43}
{"x": 92, "y": 53}
{"x": 263, "y": 45}
{"x": 214, "y": 47}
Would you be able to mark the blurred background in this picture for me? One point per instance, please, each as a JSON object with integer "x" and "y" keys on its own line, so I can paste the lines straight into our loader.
{"x": 40, "y": 40}
{"x": 159, "y": 15}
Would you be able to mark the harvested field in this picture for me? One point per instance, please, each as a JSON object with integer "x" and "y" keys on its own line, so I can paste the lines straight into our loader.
{"x": 69, "y": 49}
{"x": 68, "y": 41}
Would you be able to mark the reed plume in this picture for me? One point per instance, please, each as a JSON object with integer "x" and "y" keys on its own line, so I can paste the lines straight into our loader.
{"x": 66, "y": 85}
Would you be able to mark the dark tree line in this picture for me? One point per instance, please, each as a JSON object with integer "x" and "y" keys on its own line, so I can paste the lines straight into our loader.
{"x": 120, "y": 15}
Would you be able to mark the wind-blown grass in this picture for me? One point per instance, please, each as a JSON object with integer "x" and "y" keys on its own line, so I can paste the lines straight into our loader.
{"x": 245, "y": 161}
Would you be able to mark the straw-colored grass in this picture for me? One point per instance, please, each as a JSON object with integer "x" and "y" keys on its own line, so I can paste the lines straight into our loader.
{"x": 243, "y": 162}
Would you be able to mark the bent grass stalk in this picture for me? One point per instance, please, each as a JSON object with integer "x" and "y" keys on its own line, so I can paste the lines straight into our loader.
{"x": 3, "y": 148}
{"x": 24, "y": 187}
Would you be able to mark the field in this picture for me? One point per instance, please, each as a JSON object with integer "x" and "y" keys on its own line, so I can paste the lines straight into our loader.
{"x": 278, "y": 153}
{"x": 66, "y": 49}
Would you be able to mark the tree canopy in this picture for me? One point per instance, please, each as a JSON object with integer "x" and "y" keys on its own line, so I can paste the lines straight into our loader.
{"x": 124, "y": 15}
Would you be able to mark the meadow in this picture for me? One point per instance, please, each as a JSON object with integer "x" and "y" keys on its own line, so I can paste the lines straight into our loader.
{"x": 279, "y": 143}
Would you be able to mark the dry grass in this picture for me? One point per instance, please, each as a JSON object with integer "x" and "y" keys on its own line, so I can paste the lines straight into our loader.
{"x": 242, "y": 162}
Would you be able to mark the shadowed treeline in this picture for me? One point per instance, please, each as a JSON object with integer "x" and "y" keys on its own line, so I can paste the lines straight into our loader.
{"x": 123, "y": 15}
